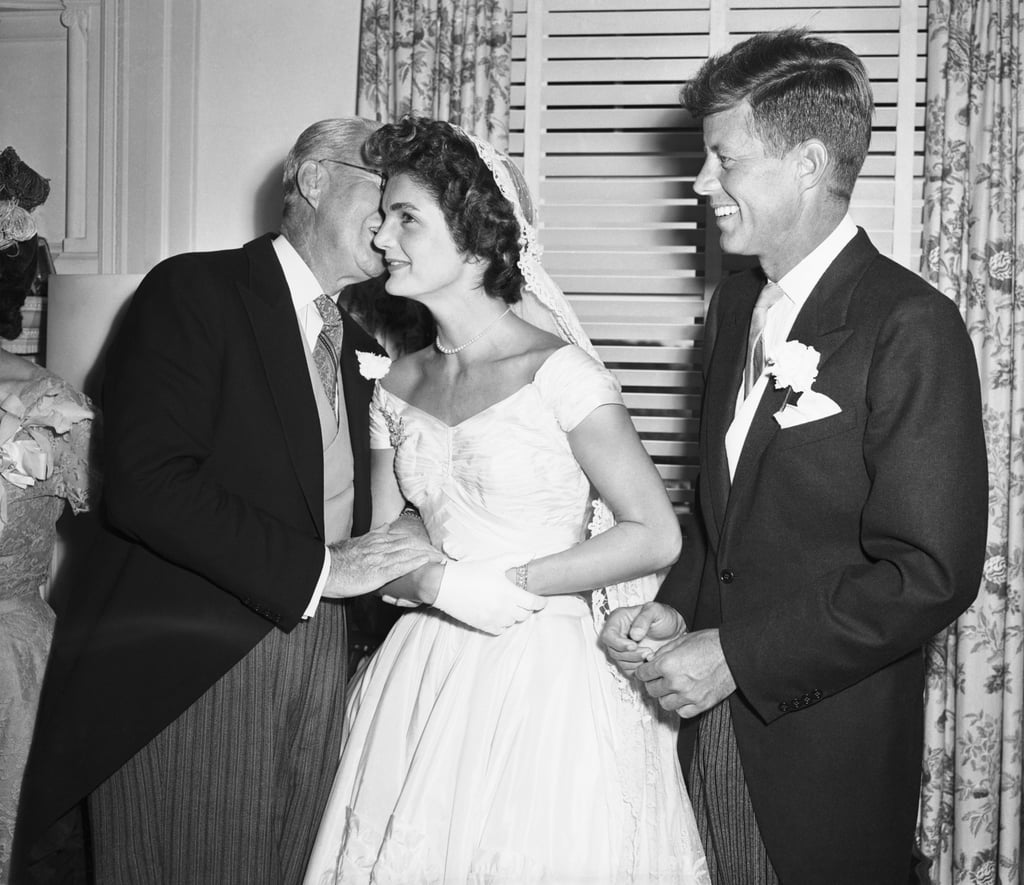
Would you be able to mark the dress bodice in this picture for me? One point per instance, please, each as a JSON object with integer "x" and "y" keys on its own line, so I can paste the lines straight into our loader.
{"x": 505, "y": 479}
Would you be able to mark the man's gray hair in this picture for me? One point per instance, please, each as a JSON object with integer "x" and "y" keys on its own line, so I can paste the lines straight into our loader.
{"x": 339, "y": 138}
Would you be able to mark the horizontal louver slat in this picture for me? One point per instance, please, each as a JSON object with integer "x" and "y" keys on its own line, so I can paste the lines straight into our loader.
{"x": 613, "y": 159}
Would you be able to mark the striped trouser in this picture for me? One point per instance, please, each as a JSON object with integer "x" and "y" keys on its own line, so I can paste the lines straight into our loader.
{"x": 725, "y": 818}
{"x": 233, "y": 790}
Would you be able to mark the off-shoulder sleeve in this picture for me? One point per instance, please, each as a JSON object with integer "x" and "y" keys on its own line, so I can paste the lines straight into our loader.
{"x": 573, "y": 384}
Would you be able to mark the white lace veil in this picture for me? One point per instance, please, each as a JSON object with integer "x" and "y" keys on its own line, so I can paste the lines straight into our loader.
{"x": 544, "y": 305}
{"x": 645, "y": 734}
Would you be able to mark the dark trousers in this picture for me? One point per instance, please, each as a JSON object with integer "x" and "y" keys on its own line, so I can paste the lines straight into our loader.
{"x": 233, "y": 790}
{"x": 725, "y": 818}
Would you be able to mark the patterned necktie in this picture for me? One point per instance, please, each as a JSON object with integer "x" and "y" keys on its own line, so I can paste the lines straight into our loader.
{"x": 328, "y": 346}
{"x": 755, "y": 338}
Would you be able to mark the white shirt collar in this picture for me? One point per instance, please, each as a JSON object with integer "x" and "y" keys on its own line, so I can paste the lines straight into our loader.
{"x": 801, "y": 280}
{"x": 302, "y": 284}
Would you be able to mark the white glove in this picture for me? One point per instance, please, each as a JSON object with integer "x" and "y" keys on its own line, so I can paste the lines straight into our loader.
{"x": 479, "y": 595}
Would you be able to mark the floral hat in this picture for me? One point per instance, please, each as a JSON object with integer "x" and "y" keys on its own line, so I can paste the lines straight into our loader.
{"x": 22, "y": 189}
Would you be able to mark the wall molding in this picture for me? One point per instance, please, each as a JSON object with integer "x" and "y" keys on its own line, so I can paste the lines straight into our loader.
{"x": 31, "y": 25}
{"x": 31, "y": 6}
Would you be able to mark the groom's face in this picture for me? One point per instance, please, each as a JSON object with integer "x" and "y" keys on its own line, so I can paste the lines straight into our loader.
{"x": 755, "y": 194}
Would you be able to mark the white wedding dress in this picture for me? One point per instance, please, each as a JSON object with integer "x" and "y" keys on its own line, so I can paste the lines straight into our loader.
{"x": 519, "y": 758}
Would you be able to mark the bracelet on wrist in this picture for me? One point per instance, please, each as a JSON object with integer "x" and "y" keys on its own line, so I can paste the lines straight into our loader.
{"x": 522, "y": 575}
{"x": 409, "y": 510}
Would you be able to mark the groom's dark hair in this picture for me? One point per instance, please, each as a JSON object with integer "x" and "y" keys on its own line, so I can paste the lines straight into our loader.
{"x": 442, "y": 159}
{"x": 799, "y": 87}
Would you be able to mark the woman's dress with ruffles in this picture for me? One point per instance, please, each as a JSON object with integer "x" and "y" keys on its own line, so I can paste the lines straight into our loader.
{"x": 43, "y": 424}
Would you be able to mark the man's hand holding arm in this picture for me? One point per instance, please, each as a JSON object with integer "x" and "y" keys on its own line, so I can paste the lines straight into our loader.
{"x": 366, "y": 563}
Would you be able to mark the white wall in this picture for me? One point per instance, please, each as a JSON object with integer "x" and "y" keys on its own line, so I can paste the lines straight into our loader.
{"x": 262, "y": 78}
{"x": 187, "y": 108}
{"x": 33, "y": 80}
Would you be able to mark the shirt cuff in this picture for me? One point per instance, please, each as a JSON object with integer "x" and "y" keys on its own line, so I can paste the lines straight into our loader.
{"x": 318, "y": 591}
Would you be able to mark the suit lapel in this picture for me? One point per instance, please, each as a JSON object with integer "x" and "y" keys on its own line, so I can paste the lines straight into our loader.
{"x": 267, "y": 300}
{"x": 821, "y": 325}
{"x": 726, "y": 338}
{"x": 358, "y": 391}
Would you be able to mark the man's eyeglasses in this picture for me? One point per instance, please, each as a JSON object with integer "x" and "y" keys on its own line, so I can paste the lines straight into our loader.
{"x": 376, "y": 172}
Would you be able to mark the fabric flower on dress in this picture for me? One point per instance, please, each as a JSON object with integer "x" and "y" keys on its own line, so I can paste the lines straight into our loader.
{"x": 373, "y": 366}
{"x": 26, "y": 455}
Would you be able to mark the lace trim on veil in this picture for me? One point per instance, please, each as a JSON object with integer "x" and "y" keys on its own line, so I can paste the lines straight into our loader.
{"x": 646, "y": 735}
{"x": 544, "y": 305}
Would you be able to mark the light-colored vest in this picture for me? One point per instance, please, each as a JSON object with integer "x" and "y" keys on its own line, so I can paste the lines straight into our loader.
{"x": 339, "y": 472}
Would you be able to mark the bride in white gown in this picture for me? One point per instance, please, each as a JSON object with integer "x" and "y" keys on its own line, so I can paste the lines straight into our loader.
{"x": 489, "y": 739}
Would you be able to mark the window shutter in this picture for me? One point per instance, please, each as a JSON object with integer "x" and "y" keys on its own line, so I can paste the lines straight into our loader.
{"x": 611, "y": 159}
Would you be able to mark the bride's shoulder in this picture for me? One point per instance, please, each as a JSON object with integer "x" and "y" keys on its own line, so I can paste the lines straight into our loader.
{"x": 571, "y": 370}
{"x": 405, "y": 372}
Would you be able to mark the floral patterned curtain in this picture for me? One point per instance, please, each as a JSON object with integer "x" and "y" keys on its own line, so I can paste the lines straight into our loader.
{"x": 973, "y": 250}
{"x": 446, "y": 59}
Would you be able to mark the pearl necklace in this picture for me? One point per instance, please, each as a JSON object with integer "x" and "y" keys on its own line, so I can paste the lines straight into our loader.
{"x": 448, "y": 351}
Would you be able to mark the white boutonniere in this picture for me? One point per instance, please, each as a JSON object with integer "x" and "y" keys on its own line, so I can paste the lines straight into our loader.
{"x": 794, "y": 366}
{"x": 373, "y": 366}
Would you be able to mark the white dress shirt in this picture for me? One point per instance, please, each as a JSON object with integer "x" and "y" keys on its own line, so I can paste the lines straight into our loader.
{"x": 304, "y": 290}
{"x": 796, "y": 287}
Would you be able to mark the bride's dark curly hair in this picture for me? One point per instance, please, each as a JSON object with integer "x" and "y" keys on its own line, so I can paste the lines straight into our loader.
{"x": 444, "y": 162}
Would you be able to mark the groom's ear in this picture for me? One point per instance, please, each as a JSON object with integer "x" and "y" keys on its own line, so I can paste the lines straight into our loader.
{"x": 814, "y": 163}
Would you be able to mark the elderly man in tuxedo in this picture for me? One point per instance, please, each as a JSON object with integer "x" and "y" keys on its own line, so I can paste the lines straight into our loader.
{"x": 842, "y": 494}
{"x": 197, "y": 681}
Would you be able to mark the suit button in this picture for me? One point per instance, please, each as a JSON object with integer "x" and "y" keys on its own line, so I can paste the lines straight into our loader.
{"x": 817, "y": 695}
{"x": 727, "y": 575}
{"x": 783, "y": 707}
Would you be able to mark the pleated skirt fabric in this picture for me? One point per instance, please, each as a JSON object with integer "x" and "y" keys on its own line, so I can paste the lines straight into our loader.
{"x": 516, "y": 759}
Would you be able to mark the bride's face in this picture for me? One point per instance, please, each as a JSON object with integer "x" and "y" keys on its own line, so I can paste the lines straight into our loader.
{"x": 419, "y": 252}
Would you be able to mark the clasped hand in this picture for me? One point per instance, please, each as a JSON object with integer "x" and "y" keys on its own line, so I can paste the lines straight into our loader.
{"x": 366, "y": 563}
{"x": 481, "y": 596}
{"x": 685, "y": 672}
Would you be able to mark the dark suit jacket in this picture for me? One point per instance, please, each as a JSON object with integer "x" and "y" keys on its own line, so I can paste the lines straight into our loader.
{"x": 213, "y": 490}
{"x": 840, "y": 547}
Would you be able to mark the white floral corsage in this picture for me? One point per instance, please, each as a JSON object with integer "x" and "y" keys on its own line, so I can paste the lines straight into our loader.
{"x": 794, "y": 366}
{"x": 373, "y": 366}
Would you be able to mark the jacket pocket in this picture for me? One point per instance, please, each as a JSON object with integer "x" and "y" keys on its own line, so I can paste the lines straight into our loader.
{"x": 814, "y": 431}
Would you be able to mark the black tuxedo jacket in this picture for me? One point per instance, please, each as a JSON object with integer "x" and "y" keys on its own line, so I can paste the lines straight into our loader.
{"x": 838, "y": 549}
{"x": 213, "y": 493}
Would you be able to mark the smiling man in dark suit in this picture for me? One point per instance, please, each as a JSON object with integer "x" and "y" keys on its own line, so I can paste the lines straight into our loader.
{"x": 843, "y": 494}
{"x": 197, "y": 680}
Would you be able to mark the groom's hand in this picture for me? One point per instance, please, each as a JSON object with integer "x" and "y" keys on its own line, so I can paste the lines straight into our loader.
{"x": 362, "y": 565}
{"x": 632, "y": 634}
{"x": 689, "y": 675}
